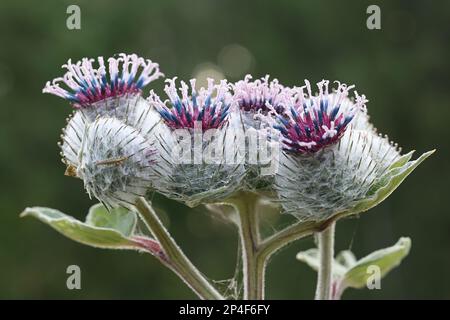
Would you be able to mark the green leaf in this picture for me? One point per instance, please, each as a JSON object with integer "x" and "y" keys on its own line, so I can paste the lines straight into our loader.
{"x": 347, "y": 272}
{"x": 119, "y": 219}
{"x": 402, "y": 160}
{"x": 386, "y": 259}
{"x": 311, "y": 258}
{"x": 98, "y": 231}
{"x": 396, "y": 174}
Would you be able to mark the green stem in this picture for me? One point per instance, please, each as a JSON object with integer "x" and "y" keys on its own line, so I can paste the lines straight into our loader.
{"x": 260, "y": 270}
{"x": 256, "y": 253}
{"x": 290, "y": 234}
{"x": 253, "y": 267}
{"x": 282, "y": 238}
{"x": 177, "y": 260}
{"x": 326, "y": 255}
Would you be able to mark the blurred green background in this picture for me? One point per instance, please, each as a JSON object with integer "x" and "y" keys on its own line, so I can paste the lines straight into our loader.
{"x": 402, "y": 68}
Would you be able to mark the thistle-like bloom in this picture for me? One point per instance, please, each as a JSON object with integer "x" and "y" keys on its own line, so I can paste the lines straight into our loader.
{"x": 332, "y": 156}
{"x": 315, "y": 122}
{"x": 117, "y": 163}
{"x": 84, "y": 84}
{"x": 205, "y": 164}
{"x": 256, "y": 101}
{"x": 260, "y": 95}
{"x": 201, "y": 107}
{"x": 112, "y": 90}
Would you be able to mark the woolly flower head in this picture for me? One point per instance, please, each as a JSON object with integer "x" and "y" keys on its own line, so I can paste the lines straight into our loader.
{"x": 259, "y": 97}
{"x": 256, "y": 101}
{"x": 145, "y": 121}
{"x": 111, "y": 89}
{"x": 332, "y": 155}
{"x": 314, "y": 122}
{"x": 117, "y": 164}
{"x": 202, "y": 107}
{"x": 205, "y": 162}
{"x": 85, "y": 84}
{"x": 106, "y": 90}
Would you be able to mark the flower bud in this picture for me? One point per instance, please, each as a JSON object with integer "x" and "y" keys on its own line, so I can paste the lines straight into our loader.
{"x": 116, "y": 162}
{"x": 85, "y": 85}
{"x": 113, "y": 91}
{"x": 257, "y": 101}
{"x": 332, "y": 155}
{"x": 204, "y": 160}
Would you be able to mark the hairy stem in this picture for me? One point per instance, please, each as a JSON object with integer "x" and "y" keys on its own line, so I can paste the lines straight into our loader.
{"x": 282, "y": 238}
{"x": 290, "y": 234}
{"x": 326, "y": 255}
{"x": 253, "y": 268}
{"x": 260, "y": 270}
{"x": 176, "y": 259}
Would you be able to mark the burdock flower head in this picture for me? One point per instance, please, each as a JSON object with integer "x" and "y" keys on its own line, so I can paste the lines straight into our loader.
{"x": 257, "y": 100}
{"x": 255, "y": 97}
{"x": 333, "y": 158}
{"x": 116, "y": 162}
{"x": 314, "y": 122}
{"x": 85, "y": 85}
{"x": 205, "y": 162}
{"x": 110, "y": 89}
